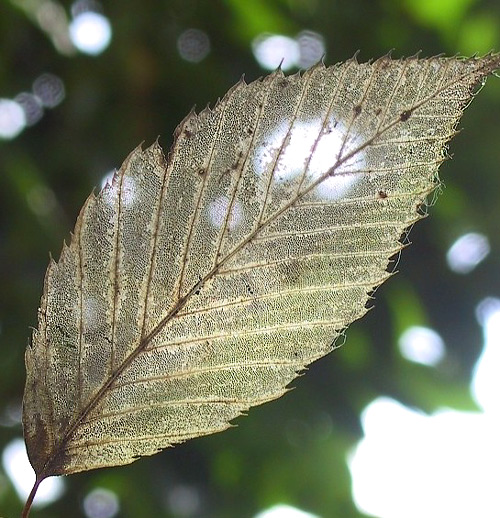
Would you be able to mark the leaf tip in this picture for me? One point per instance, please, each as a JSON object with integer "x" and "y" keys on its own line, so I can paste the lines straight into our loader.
{"x": 354, "y": 59}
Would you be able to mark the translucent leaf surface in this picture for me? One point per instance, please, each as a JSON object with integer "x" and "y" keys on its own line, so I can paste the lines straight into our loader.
{"x": 197, "y": 286}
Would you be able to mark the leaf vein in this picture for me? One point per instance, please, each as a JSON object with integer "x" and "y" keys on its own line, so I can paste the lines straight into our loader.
{"x": 212, "y": 368}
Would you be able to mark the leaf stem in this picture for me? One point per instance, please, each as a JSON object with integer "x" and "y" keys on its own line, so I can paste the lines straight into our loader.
{"x": 29, "y": 501}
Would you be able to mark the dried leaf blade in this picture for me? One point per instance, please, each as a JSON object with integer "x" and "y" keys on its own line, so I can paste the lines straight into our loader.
{"x": 196, "y": 287}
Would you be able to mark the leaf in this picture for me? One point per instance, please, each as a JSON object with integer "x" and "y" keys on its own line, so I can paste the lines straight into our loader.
{"x": 197, "y": 286}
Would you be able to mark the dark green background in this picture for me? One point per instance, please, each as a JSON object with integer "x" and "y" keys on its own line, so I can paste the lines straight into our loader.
{"x": 292, "y": 450}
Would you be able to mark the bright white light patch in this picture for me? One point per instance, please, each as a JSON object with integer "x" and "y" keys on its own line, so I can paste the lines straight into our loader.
{"x": 487, "y": 309}
{"x": 12, "y": 119}
{"x": 467, "y": 252}
{"x": 446, "y": 464}
{"x": 217, "y": 213}
{"x": 272, "y": 49}
{"x": 422, "y": 345}
{"x": 284, "y": 511}
{"x": 486, "y": 381}
{"x": 90, "y": 32}
{"x": 414, "y": 465}
{"x": 93, "y": 311}
{"x": 18, "y": 468}
{"x": 107, "y": 178}
{"x": 128, "y": 193}
{"x": 101, "y": 503}
{"x": 305, "y": 152}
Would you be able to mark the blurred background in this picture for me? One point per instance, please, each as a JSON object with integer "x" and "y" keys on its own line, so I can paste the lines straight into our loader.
{"x": 403, "y": 420}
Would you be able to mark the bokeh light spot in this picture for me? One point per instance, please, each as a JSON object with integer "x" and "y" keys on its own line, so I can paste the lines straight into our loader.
{"x": 467, "y": 252}
{"x": 41, "y": 200}
{"x": 183, "y": 501}
{"x": 422, "y": 345}
{"x": 311, "y": 48}
{"x": 303, "y": 51}
{"x": 284, "y": 511}
{"x": 193, "y": 45}
{"x": 101, "y": 503}
{"x": 271, "y": 50}
{"x": 11, "y": 414}
{"x": 90, "y": 32}
{"x": 486, "y": 309}
{"x": 12, "y": 119}
{"x": 32, "y": 107}
{"x": 49, "y": 89}
{"x": 18, "y": 468}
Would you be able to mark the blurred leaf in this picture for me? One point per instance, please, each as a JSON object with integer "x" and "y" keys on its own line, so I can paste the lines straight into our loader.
{"x": 479, "y": 33}
{"x": 442, "y": 14}
{"x": 252, "y": 19}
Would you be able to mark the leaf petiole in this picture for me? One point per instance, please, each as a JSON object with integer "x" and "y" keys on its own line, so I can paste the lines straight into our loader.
{"x": 31, "y": 496}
